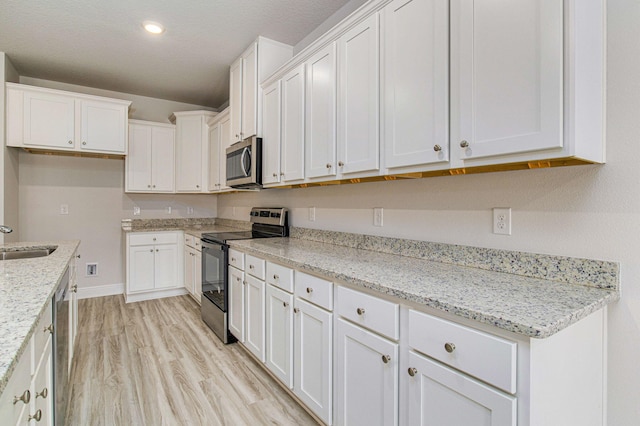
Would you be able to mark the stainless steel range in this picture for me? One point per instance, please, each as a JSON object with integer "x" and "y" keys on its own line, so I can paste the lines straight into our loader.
{"x": 266, "y": 223}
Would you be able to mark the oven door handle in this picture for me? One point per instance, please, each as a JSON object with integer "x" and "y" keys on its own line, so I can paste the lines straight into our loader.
{"x": 243, "y": 162}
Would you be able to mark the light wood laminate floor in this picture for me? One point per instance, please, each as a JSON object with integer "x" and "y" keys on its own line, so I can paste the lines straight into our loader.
{"x": 157, "y": 363}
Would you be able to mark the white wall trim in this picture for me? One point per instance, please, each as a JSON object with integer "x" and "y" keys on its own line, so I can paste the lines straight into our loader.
{"x": 155, "y": 294}
{"x": 100, "y": 291}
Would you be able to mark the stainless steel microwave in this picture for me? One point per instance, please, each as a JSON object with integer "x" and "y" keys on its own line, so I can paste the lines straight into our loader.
{"x": 244, "y": 163}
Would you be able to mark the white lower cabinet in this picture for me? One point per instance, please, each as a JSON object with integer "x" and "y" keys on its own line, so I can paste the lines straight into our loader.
{"x": 313, "y": 358}
{"x": 279, "y": 345}
{"x": 254, "y": 313}
{"x": 154, "y": 265}
{"x": 439, "y": 395}
{"x": 366, "y": 388}
{"x": 193, "y": 267}
{"x": 236, "y": 301}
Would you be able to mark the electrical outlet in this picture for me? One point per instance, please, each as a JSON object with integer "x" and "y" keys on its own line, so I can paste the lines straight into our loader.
{"x": 189, "y": 210}
{"x": 233, "y": 212}
{"x": 136, "y": 211}
{"x": 167, "y": 210}
{"x": 92, "y": 269}
{"x": 377, "y": 216}
{"x": 502, "y": 220}
{"x": 64, "y": 208}
{"x": 312, "y": 214}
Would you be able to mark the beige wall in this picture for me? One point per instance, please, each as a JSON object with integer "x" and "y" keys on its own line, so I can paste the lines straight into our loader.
{"x": 589, "y": 211}
{"x": 8, "y": 162}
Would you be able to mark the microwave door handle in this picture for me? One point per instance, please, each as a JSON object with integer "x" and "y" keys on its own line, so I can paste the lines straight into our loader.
{"x": 243, "y": 162}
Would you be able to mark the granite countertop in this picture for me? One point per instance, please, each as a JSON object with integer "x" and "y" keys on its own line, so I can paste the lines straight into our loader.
{"x": 195, "y": 227}
{"x": 26, "y": 289}
{"x": 528, "y": 306}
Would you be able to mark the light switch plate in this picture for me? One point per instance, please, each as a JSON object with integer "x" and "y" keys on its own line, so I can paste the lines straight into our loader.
{"x": 64, "y": 208}
{"x": 377, "y": 216}
{"x": 312, "y": 214}
{"x": 167, "y": 210}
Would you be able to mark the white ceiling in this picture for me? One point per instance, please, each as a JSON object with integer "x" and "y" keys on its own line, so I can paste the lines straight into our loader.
{"x": 100, "y": 43}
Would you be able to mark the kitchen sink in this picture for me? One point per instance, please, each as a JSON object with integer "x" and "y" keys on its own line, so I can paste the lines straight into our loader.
{"x": 26, "y": 254}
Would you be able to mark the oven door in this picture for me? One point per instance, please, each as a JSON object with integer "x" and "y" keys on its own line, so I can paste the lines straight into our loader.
{"x": 214, "y": 273}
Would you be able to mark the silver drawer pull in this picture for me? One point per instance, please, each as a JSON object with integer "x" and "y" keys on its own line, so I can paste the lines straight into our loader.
{"x": 250, "y": 266}
{"x": 296, "y": 310}
{"x": 309, "y": 290}
{"x": 43, "y": 394}
{"x": 449, "y": 347}
{"x": 386, "y": 358}
{"x": 233, "y": 259}
{"x": 285, "y": 304}
{"x": 37, "y": 416}
{"x": 360, "y": 311}
{"x": 25, "y": 397}
{"x": 49, "y": 329}
{"x": 275, "y": 277}
{"x": 412, "y": 371}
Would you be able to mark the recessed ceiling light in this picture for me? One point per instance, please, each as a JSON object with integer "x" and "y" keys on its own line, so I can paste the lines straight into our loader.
{"x": 153, "y": 27}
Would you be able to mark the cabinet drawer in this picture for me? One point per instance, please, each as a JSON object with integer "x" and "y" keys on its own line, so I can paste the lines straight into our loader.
{"x": 236, "y": 259}
{"x": 280, "y": 276}
{"x": 315, "y": 290}
{"x": 42, "y": 334}
{"x": 192, "y": 241}
{"x": 149, "y": 238}
{"x": 19, "y": 383}
{"x": 255, "y": 266}
{"x": 488, "y": 358}
{"x": 370, "y": 312}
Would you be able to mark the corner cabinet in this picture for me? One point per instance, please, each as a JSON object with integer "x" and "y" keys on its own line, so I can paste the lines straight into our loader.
{"x": 150, "y": 164}
{"x": 47, "y": 119}
{"x": 154, "y": 265}
{"x": 192, "y": 150}
{"x": 256, "y": 63}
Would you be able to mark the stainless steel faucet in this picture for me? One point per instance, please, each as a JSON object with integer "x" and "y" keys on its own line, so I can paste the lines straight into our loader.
{"x": 5, "y": 229}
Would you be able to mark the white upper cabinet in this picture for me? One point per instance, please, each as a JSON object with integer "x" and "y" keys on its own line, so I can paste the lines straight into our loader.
{"x": 358, "y": 105}
{"x": 271, "y": 131}
{"x": 42, "y": 118}
{"x": 192, "y": 151}
{"x": 260, "y": 59}
{"x": 506, "y": 77}
{"x": 320, "y": 111}
{"x": 219, "y": 139}
{"x": 151, "y": 158}
{"x": 415, "y": 83}
{"x": 292, "y": 141}
{"x": 225, "y": 138}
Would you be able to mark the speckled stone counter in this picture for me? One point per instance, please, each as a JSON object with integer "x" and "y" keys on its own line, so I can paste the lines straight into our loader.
{"x": 26, "y": 288}
{"x": 195, "y": 227}
{"x": 526, "y": 305}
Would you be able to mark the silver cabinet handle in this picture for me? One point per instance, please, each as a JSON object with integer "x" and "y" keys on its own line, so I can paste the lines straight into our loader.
{"x": 309, "y": 290}
{"x": 464, "y": 144}
{"x": 360, "y": 311}
{"x": 285, "y": 304}
{"x": 70, "y": 142}
{"x": 437, "y": 148}
{"x": 386, "y": 358}
{"x": 197, "y": 186}
{"x": 37, "y": 416}
{"x": 250, "y": 266}
{"x": 157, "y": 250}
{"x": 154, "y": 186}
{"x": 25, "y": 398}
{"x": 74, "y": 288}
{"x": 148, "y": 186}
{"x": 275, "y": 277}
{"x": 233, "y": 259}
{"x": 329, "y": 166}
{"x": 340, "y": 163}
{"x": 49, "y": 329}
{"x": 154, "y": 238}
{"x": 449, "y": 347}
{"x": 237, "y": 136}
{"x": 296, "y": 310}
{"x": 84, "y": 142}
{"x": 244, "y": 283}
{"x": 43, "y": 394}
{"x": 151, "y": 250}
{"x": 78, "y": 256}
{"x": 275, "y": 175}
{"x": 412, "y": 371}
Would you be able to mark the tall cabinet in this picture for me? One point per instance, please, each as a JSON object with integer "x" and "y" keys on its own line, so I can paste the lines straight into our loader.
{"x": 256, "y": 63}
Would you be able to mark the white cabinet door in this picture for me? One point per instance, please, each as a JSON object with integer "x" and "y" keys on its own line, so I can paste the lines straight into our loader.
{"x": 236, "y": 303}
{"x": 141, "y": 268}
{"x": 279, "y": 322}
{"x": 163, "y": 159}
{"x": 197, "y": 290}
{"x": 214, "y": 157}
{"x": 293, "y": 125}
{"x": 271, "y": 103}
{"x": 358, "y": 103}
{"x": 104, "y": 126}
{"x": 313, "y": 358}
{"x": 189, "y": 153}
{"x": 367, "y": 377}
{"x": 166, "y": 266}
{"x": 320, "y": 113}
{"x": 189, "y": 270}
{"x": 254, "y": 313}
{"x": 415, "y": 82}
{"x": 225, "y": 142}
{"x": 139, "y": 158}
{"x": 42, "y": 395}
{"x": 235, "y": 100}
{"x": 506, "y": 77}
{"x": 249, "y": 92}
{"x": 441, "y": 396}
{"x": 49, "y": 120}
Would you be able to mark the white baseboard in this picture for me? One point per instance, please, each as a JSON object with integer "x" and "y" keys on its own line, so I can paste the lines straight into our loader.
{"x": 155, "y": 294}
{"x": 100, "y": 291}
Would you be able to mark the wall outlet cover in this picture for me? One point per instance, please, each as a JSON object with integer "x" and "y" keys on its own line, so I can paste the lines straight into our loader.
{"x": 502, "y": 220}
{"x": 312, "y": 214}
{"x": 377, "y": 216}
{"x": 136, "y": 211}
{"x": 167, "y": 210}
{"x": 64, "y": 208}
